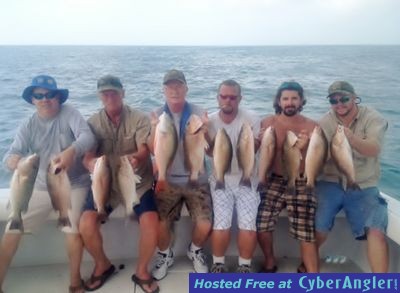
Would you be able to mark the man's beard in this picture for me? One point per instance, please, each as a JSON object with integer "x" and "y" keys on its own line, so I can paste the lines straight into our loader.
{"x": 290, "y": 111}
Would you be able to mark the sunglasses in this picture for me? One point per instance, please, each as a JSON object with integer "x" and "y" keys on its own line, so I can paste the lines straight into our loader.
{"x": 226, "y": 97}
{"x": 48, "y": 95}
{"x": 342, "y": 100}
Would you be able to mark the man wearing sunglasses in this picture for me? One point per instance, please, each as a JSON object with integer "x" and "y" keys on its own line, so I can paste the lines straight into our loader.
{"x": 300, "y": 205}
{"x": 57, "y": 132}
{"x": 365, "y": 209}
{"x": 236, "y": 192}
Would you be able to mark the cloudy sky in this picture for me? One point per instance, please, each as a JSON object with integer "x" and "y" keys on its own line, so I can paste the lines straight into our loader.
{"x": 199, "y": 22}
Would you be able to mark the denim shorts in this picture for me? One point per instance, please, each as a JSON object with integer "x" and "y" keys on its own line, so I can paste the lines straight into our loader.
{"x": 363, "y": 208}
{"x": 147, "y": 204}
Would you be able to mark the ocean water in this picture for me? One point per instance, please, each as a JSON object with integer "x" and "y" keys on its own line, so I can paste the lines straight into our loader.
{"x": 374, "y": 71}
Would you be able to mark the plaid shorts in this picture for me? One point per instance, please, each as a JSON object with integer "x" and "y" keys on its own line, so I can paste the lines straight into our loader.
{"x": 301, "y": 208}
{"x": 197, "y": 200}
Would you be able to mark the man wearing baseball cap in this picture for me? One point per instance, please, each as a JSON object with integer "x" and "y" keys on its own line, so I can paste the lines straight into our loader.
{"x": 55, "y": 132}
{"x": 175, "y": 191}
{"x": 120, "y": 130}
{"x": 365, "y": 209}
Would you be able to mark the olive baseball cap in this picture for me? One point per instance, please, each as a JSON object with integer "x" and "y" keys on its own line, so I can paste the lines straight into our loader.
{"x": 341, "y": 87}
{"x": 109, "y": 82}
{"x": 174, "y": 74}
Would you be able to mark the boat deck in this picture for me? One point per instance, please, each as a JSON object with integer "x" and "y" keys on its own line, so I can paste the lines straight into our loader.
{"x": 54, "y": 278}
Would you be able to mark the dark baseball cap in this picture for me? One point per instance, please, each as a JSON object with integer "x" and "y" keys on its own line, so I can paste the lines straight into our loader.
{"x": 174, "y": 75}
{"x": 109, "y": 82}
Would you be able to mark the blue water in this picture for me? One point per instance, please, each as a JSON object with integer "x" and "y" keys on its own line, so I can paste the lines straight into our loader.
{"x": 373, "y": 70}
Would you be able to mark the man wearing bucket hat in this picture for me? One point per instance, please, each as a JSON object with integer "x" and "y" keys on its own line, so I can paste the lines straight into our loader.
{"x": 120, "y": 130}
{"x": 365, "y": 209}
{"x": 55, "y": 132}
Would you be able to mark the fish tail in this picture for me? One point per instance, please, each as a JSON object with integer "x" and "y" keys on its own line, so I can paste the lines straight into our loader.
{"x": 193, "y": 183}
{"x": 102, "y": 217}
{"x": 64, "y": 222}
{"x": 245, "y": 182}
{"x": 161, "y": 185}
{"x": 353, "y": 186}
{"x": 310, "y": 188}
{"x": 16, "y": 224}
{"x": 220, "y": 185}
{"x": 261, "y": 186}
{"x": 291, "y": 189}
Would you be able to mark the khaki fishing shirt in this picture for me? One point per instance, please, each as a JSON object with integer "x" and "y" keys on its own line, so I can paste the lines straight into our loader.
{"x": 368, "y": 124}
{"x": 112, "y": 141}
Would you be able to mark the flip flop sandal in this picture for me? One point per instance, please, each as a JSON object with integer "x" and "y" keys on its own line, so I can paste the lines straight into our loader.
{"x": 101, "y": 279}
{"x": 272, "y": 270}
{"x": 141, "y": 283}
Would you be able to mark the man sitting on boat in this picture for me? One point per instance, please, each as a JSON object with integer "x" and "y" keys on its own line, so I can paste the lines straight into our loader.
{"x": 355, "y": 190}
{"x": 120, "y": 131}
{"x": 57, "y": 133}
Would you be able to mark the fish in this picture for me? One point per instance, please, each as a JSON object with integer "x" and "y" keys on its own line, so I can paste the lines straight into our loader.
{"x": 165, "y": 146}
{"x": 315, "y": 157}
{"x": 245, "y": 153}
{"x": 342, "y": 155}
{"x": 195, "y": 146}
{"x": 59, "y": 188}
{"x": 222, "y": 157}
{"x": 22, "y": 183}
{"x": 267, "y": 156}
{"x": 101, "y": 183}
{"x": 127, "y": 180}
{"x": 292, "y": 159}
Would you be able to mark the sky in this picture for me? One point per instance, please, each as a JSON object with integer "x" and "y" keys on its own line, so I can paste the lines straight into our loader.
{"x": 199, "y": 22}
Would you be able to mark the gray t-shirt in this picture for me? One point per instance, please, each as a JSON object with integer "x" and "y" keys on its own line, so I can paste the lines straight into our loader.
{"x": 49, "y": 137}
{"x": 233, "y": 129}
{"x": 177, "y": 173}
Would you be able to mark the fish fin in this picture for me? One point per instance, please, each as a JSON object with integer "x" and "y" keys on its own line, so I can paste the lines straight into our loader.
{"x": 245, "y": 182}
{"x": 220, "y": 185}
{"x": 137, "y": 178}
{"x": 64, "y": 222}
{"x": 161, "y": 185}
{"x": 16, "y": 224}
{"x": 291, "y": 189}
{"x": 206, "y": 145}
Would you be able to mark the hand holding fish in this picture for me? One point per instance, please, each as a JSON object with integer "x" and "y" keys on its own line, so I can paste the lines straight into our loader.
{"x": 133, "y": 161}
{"x": 349, "y": 134}
{"x": 302, "y": 139}
{"x": 65, "y": 159}
{"x": 12, "y": 162}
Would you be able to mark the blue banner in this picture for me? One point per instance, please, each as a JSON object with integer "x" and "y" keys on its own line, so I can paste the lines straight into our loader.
{"x": 333, "y": 282}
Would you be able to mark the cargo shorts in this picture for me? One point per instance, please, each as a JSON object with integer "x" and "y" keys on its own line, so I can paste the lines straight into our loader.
{"x": 197, "y": 200}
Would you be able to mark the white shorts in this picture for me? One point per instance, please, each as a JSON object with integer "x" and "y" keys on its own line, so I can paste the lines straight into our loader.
{"x": 40, "y": 208}
{"x": 247, "y": 201}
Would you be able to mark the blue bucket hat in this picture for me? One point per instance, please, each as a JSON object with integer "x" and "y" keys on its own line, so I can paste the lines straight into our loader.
{"x": 46, "y": 82}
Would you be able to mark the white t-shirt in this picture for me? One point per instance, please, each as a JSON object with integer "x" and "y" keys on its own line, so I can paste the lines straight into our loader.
{"x": 233, "y": 177}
